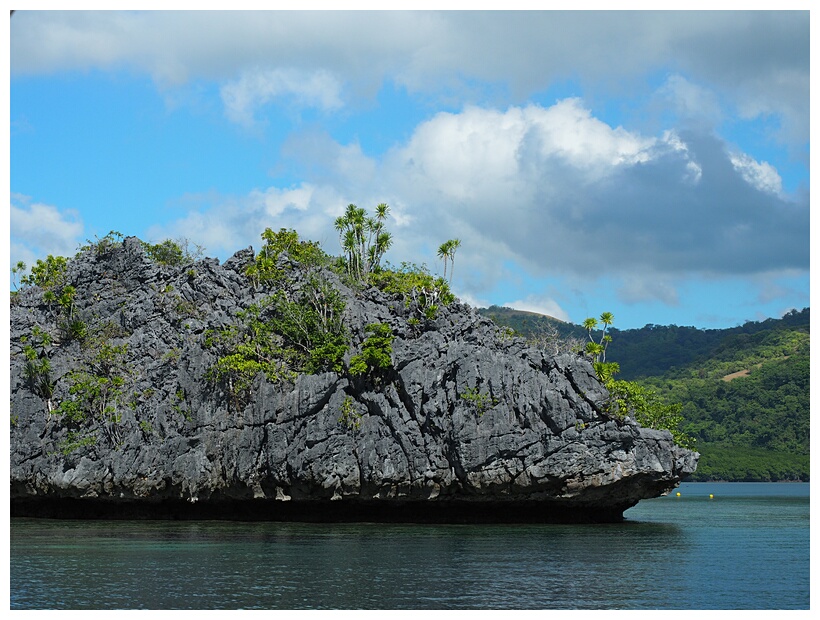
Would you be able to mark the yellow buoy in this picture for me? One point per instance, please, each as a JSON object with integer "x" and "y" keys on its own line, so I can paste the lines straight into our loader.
{"x": 678, "y": 493}
{"x": 711, "y": 496}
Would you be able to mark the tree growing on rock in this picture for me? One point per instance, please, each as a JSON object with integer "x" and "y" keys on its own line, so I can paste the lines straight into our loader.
{"x": 627, "y": 398}
{"x": 447, "y": 252}
{"x": 597, "y": 350}
{"x": 363, "y": 239}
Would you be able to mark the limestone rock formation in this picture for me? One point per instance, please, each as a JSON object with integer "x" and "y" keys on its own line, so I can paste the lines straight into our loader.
{"x": 469, "y": 424}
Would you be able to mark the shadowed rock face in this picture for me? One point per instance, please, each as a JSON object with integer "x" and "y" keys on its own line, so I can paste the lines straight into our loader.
{"x": 538, "y": 448}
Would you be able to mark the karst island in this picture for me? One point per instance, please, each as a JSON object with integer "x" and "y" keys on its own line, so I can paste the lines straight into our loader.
{"x": 290, "y": 384}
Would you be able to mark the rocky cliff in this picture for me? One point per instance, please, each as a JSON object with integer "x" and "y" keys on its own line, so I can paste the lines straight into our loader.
{"x": 117, "y": 409}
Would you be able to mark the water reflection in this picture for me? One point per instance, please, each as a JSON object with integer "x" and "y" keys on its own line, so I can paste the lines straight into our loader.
{"x": 85, "y": 564}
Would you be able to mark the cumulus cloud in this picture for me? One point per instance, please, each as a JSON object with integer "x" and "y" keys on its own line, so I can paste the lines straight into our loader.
{"x": 554, "y": 190}
{"x": 39, "y": 229}
{"x": 565, "y": 193}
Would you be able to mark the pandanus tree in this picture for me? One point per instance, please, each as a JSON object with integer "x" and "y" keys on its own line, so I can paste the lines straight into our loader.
{"x": 363, "y": 239}
{"x": 447, "y": 251}
{"x": 597, "y": 350}
{"x": 627, "y": 398}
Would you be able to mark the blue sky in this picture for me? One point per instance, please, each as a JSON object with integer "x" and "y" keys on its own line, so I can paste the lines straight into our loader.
{"x": 650, "y": 164}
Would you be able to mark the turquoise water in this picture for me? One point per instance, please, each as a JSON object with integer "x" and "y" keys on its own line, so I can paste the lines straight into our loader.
{"x": 746, "y": 548}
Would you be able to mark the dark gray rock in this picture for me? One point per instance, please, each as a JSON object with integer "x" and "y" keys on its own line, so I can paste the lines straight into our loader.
{"x": 538, "y": 448}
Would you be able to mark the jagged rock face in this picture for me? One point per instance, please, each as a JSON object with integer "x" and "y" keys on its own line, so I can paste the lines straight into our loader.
{"x": 536, "y": 443}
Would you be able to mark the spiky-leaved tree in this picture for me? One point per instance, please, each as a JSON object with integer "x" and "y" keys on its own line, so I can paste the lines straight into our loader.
{"x": 363, "y": 239}
{"x": 597, "y": 350}
{"x": 447, "y": 251}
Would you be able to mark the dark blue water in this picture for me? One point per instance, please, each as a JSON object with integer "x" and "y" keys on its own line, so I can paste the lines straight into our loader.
{"x": 745, "y": 548}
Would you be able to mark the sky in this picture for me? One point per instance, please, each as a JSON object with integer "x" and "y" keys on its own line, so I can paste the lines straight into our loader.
{"x": 654, "y": 165}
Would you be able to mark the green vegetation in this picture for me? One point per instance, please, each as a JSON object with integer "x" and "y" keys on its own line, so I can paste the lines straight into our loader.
{"x": 249, "y": 348}
{"x": 363, "y": 239}
{"x": 146, "y": 427}
{"x": 744, "y": 391}
{"x": 76, "y": 440}
{"x": 654, "y": 350}
{"x": 97, "y": 390}
{"x": 266, "y": 268}
{"x": 311, "y": 324}
{"x": 648, "y": 410}
{"x": 597, "y": 350}
{"x": 765, "y": 412}
{"x": 173, "y": 253}
{"x": 350, "y": 418}
{"x": 745, "y": 464}
{"x": 546, "y": 333}
{"x": 47, "y": 274}
{"x": 422, "y": 292}
{"x": 104, "y": 245}
{"x": 447, "y": 252}
{"x": 37, "y": 369}
{"x": 166, "y": 253}
{"x": 298, "y": 328}
{"x": 377, "y": 351}
{"x": 17, "y": 271}
{"x": 627, "y": 398}
{"x": 481, "y": 402}
{"x": 178, "y": 405}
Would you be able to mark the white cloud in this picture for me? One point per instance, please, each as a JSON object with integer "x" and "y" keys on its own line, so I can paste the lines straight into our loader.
{"x": 540, "y": 305}
{"x": 225, "y": 224}
{"x": 475, "y": 302}
{"x": 760, "y": 175}
{"x": 670, "y": 140}
{"x": 253, "y": 89}
{"x": 755, "y": 61}
{"x": 275, "y": 201}
{"x": 623, "y": 204}
{"x": 496, "y": 159}
{"x": 39, "y": 229}
{"x": 554, "y": 190}
{"x": 568, "y": 131}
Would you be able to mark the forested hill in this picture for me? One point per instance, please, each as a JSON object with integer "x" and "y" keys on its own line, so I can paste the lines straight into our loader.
{"x": 654, "y": 350}
{"x": 744, "y": 391}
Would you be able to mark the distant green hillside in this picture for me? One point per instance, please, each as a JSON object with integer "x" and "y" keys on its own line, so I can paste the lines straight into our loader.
{"x": 654, "y": 349}
{"x": 744, "y": 390}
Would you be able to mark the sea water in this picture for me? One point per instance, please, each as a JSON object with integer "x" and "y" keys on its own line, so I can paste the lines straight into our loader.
{"x": 713, "y": 546}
